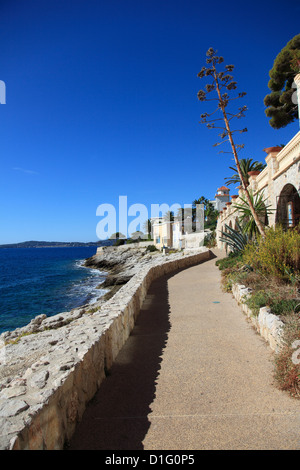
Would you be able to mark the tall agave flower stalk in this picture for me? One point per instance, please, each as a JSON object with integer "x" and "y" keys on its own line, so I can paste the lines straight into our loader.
{"x": 220, "y": 82}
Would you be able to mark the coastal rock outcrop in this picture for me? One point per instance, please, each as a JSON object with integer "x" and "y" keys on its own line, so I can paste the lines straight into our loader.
{"x": 121, "y": 263}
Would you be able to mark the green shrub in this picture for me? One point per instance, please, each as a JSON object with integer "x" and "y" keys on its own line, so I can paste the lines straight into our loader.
{"x": 151, "y": 248}
{"x": 119, "y": 241}
{"x": 284, "y": 306}
{"x": 257, "y": 300}
{"x": 230, "y": 261}
{"x": 232, "y": 269}
{"x": 277, "y": 255}
{"x": 210, "y": 239}
{"x": 279, "y": 304}
{"x": 230, "y": 277}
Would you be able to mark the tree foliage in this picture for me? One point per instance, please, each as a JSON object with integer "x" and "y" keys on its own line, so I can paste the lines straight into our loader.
{"x": 169, "y": 216}
{"x": 117, "y": 236}
{"x": 147, "y": 227}
{"x": 246, "y": 164}
{"x": 281, "y": 106}
{"x": 210, "y": 213}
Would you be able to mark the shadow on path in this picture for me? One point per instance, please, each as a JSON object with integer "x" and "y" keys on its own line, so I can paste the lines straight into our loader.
{"x": 116, "y": 418}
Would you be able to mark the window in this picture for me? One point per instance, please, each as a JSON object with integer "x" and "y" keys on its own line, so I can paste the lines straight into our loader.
{"x": 288, "y": 207}
{"x": 290, "y": 214}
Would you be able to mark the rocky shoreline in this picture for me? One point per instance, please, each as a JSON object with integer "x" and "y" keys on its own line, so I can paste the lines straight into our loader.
{"x": 119, "y": 263}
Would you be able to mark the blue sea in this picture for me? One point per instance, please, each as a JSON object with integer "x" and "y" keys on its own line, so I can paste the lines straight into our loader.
{"x": 36, "y": 281}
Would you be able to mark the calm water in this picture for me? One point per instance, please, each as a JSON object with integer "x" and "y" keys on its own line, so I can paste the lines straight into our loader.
{"x": 44, "y": 280}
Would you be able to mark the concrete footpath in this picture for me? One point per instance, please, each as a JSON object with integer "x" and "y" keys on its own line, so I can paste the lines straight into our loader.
{"x": 193, "y": 375}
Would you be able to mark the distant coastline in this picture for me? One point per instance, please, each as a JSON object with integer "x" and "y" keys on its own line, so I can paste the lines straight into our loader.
{"x": 43, "y": 244}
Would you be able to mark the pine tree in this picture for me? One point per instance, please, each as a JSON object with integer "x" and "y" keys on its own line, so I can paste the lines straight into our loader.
{"x": 281, "y": 107}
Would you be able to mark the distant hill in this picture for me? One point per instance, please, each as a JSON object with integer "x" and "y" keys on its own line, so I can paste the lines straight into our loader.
{"x": 42, "y": 244}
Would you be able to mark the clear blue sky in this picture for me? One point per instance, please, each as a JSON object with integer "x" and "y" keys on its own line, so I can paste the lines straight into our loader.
{"x": 101, "y": 101}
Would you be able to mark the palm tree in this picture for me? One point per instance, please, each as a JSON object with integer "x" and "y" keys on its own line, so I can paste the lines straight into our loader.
{"x": 200, "y": 200}
{"x": 210, "y": 213}
{"x": 148, "y": 228}
{"x": 169, "y": 216}
{"x": 246, "y": 164}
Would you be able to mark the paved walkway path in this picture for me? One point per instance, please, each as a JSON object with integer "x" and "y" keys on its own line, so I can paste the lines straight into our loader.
{"x": 193, "y": 375}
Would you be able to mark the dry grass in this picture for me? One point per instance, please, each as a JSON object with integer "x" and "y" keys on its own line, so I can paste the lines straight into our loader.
{"x": 287, "y": 361}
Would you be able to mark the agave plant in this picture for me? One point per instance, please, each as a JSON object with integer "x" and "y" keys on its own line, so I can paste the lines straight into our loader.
{"x": 262, "y": 209}
{"x": 236, "y": 239}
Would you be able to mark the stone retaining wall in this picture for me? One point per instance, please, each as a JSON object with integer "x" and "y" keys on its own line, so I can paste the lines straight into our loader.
{"x": 39, "y": 409}
{"x": 266, "y": 323}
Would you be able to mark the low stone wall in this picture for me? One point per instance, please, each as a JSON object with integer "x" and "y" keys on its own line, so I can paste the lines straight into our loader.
{"x": 268, "y": 325}
{"x": 41, "y": 405}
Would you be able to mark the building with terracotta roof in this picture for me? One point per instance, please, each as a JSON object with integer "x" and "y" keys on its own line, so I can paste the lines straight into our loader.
{"x": 221, "y": 197}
